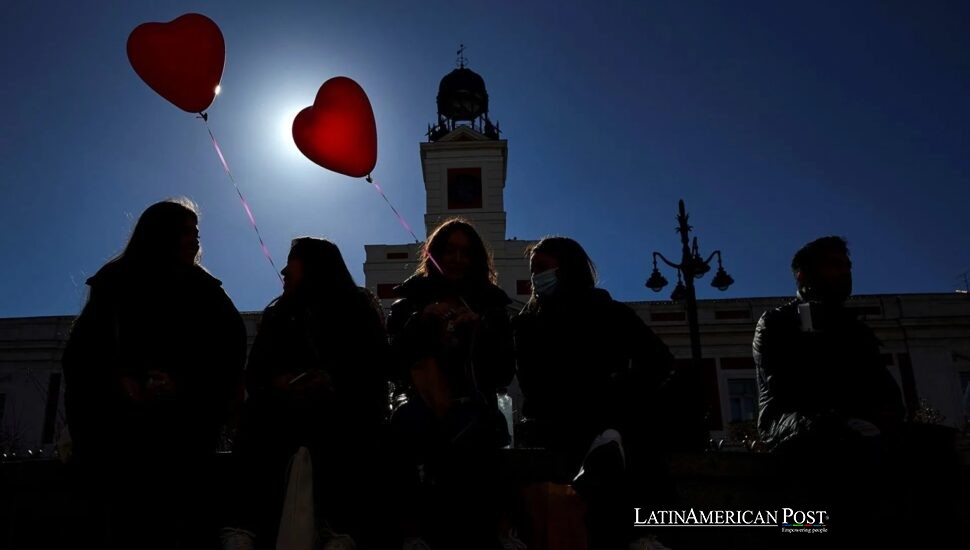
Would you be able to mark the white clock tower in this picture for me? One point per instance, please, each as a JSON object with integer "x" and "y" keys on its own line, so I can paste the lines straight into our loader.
{"x": 464, "y": 164}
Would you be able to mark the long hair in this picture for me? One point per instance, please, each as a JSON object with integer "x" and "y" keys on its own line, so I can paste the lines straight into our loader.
{"x": 482, "y": 269}
{"x": 157, "y": 235}
{"x": 324, "y": 269}
{"x": 576, "y": 271}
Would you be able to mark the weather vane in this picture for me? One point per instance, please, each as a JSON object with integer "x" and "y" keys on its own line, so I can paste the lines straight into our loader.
{"x": 461, "y": 56}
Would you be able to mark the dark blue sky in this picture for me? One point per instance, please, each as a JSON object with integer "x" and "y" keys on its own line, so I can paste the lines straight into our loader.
{"x": 776, "y": 124}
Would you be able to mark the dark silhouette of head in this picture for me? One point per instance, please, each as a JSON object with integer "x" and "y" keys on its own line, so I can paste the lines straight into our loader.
{"x": 574, "y": 270}
{"x": 166, "y": 234}
{"x": 315, "y": 266}
{"x": 823, "y": 271}
{"x": 460, "y": 252}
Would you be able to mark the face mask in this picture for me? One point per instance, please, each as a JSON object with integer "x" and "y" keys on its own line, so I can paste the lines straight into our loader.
{"x": 545, "y": 283}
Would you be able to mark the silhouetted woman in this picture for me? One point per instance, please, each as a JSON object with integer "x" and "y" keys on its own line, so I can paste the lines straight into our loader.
{"x": 150, "y": 368}
{"x": 590, "y": 371}
{"x": 316, "y": 378}
{"x": 452, "y": 340}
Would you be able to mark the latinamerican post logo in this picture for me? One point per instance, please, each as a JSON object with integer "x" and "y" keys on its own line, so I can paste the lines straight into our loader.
{"x": 788, "y": 520}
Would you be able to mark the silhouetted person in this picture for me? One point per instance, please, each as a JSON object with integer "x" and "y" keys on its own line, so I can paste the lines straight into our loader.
{"x": 316, "y": 378}
{"x": 591, "y": 372}
{"x": 827, "y": 402}
{"x": 821, "y": 377}
{"x": 452, "y": 340}
{"x": 150, "y": 368}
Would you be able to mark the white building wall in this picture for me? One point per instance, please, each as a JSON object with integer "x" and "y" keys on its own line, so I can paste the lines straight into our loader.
{"x": 933, "y": 330}
{"x": 30, "y": 352}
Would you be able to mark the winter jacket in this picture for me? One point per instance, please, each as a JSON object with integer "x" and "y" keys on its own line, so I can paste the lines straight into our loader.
{"x": 587, "y": 363}
{"x": 476, "y": 360}
{"x": 178, "y": 321}
{"x": 339, "y": 337}
{"x": 316, "y": 379}
{"x": 811, "y": 383}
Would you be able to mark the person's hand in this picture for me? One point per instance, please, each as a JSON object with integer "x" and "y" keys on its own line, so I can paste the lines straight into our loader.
{"x": 318, "y": 383}
{"x": 159, "y": 384}
{"x": 307, "y": 382}
{"x": 466, "y": 317}
{"x": 440, "y": 310}
{"x": 862, "y": 427}
{"x": 131, "y": 389}
{"x": 283, "y": 381}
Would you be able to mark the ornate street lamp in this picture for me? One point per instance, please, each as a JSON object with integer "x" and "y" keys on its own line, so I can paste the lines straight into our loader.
{"x": 692, "y": 266}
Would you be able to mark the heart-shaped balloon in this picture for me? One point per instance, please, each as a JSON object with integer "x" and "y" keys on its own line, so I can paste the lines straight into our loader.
{"x": 182, "y": 60}
{"x": 338, "y": 132}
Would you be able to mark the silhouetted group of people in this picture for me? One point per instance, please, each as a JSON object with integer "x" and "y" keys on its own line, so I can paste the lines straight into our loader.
{"x": 397, "y": 422}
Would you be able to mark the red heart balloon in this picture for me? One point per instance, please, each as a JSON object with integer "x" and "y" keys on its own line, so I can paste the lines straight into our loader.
{"x": 182, "y": 60}
{"x": 338, "y": 132}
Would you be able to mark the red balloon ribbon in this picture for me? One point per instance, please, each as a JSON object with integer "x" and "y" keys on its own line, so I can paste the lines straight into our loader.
{"x": 401, "y": 219}
{"x": 245, "y": 203}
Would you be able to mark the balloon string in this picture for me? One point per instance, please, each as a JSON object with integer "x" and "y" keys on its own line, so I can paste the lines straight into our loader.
{"x": 401, "y": 219}
{"x": 245, "y": 203}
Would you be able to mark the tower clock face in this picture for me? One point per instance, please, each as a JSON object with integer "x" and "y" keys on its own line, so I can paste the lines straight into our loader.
{"x": 464, "y": 188}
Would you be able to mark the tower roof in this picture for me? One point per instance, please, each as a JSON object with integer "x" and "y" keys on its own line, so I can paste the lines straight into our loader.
{"x": 462, "y": 95}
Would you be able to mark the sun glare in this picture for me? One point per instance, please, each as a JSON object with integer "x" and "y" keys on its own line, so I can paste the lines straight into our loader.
{"x": 285, "y": 129}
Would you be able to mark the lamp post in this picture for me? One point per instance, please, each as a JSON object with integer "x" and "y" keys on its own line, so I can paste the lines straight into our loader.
{"x": 692, "y": 266}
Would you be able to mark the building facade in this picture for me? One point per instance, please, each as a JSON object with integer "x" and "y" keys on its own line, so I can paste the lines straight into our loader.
{"x": 924, "y": 338}
{"x": 925, "y": 345}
